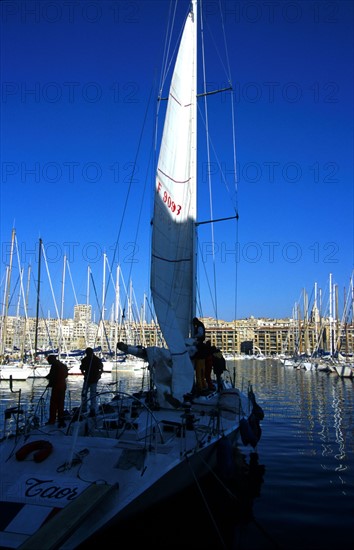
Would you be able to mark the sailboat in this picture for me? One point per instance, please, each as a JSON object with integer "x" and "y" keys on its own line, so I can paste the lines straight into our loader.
{"x": 11, "y": 369}
{"x": 61, "y": 486}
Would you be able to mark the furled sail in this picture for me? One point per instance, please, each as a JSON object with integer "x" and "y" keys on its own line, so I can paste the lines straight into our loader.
{"x": 173, "y": 249}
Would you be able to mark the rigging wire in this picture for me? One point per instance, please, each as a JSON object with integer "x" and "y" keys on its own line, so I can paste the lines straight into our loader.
{"x": 210, "y": 147}
{"x": 72, "y": 282}
{"x": 168, "y": 39}
{"x": 61, "y": 337}
{"x": 24, "y": 304}
{"x": 232, "y": 103}
{"x": 206, "y": 505}
{"x": 100, "y": 322}
{"x": 166, "y": 66}
{"x": 208, "y": 163}
{"x": 131, "y": 180}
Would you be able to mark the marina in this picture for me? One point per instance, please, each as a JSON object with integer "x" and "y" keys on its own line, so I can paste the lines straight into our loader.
{"x": 68, "y": 479}
{"x": 306, "y": 491}
{"x": 177, "y": 334}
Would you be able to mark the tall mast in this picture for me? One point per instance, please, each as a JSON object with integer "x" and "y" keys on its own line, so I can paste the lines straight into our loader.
{"x": 117, "y": 297}
{"x": 315, "y": 316}
{"x": 194, "y": 155}
{"x": 330, "y": 315}
{"x": 103, "y": 299}
{"x": 62, "y": 307}
{"x": 23, "y": 344}
{"x": 63, "y": 290}
{"x": 88, "y": 286}
{"x": 7, "y": 294}
{"x": 306, "y": 324}
{"x": 337, "y": 324}
{"x": 116, "y": 311}
{"x": 87, "y": 306}
{"x": 38, "y": 294}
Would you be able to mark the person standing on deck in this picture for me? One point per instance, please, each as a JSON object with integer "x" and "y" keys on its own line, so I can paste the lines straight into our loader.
{"x": 198, "y": 333}
{"x": 219, "y": 365}
{"x": 57, "y": 381}
{"x": 198, "y": 330}
{"x": 209, "y": 350}
{"x": 92, "y": 368}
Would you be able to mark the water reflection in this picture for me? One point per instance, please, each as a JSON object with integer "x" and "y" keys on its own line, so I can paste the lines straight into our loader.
{"x": 309, "y": 403}
{"x": 307, "y": 447}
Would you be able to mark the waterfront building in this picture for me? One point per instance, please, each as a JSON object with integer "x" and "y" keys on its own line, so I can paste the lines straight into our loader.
{"x": 268, "y": 337}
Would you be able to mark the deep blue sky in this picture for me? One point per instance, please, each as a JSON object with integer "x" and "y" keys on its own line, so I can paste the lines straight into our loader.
{"x": 76, "y": 77}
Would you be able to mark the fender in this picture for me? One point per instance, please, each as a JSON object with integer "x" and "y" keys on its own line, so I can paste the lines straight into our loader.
{"x": 42, "y": 447}
{"x": 248, "y": 435}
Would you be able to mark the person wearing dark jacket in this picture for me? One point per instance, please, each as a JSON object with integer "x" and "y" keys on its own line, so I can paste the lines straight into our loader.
{"x": 219, "y": 365}
{"x": 57, "y": 381}
{"x": 198, "y": 329}
{"x": 92, "y": 368}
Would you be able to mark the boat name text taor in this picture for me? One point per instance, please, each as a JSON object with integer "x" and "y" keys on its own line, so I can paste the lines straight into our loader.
{"x": 42, "y": 488}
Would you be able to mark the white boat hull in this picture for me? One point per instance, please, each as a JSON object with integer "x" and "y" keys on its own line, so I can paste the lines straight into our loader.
{"x": 16, "y": 373}
{"x": 344, "y": 371}
{"x": 137, "y": 469}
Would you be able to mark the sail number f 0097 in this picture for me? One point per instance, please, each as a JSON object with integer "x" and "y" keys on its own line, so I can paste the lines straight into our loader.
{"x": 176, "y": 208}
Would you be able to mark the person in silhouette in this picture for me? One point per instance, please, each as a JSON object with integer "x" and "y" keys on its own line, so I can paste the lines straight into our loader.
{"x": 219, "y": 365}
{"x": 198, "y": 330}
{"x": 209, "y": 350}
{"x": 92, "y": 368}
{"x": 200, "y": 359}
{"x": 57, "y": 381}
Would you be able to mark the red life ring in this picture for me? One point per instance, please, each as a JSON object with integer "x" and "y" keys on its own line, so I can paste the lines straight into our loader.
{"x": 43, "y": 448}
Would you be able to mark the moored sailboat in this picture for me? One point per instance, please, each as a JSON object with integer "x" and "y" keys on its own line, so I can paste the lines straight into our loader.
{"x": 145, "y": 447}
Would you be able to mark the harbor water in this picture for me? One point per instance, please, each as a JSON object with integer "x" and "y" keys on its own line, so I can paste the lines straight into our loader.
{"x": 294, "y": 490}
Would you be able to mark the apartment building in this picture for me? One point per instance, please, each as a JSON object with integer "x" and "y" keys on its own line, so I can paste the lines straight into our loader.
{"x": 251, "y": 335}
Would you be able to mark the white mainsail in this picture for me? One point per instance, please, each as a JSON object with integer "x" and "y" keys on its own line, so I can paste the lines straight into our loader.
{"x": 173, "y": 248}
